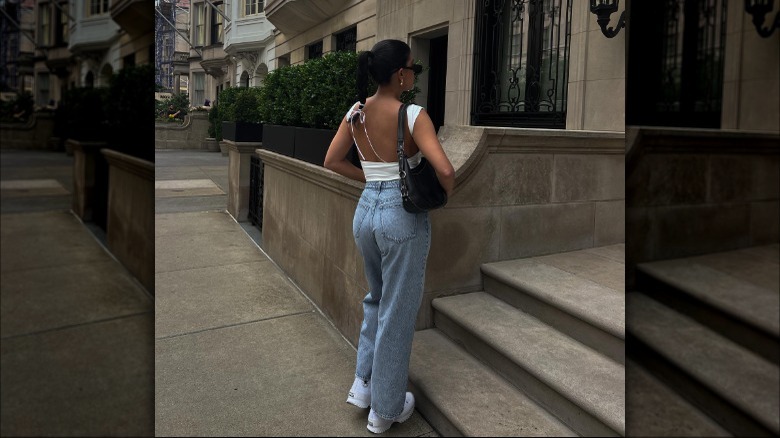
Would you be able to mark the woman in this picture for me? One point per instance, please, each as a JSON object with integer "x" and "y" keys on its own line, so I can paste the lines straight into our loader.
{"x": 394, "y": 243}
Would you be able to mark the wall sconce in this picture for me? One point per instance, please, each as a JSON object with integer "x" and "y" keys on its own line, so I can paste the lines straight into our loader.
{"x": 604, "y": 10}
{"x": 759, "y": 9}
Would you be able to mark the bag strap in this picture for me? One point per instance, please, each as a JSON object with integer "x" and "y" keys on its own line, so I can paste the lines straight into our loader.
{"x": 400, "y": 148}
{"x": 401, "y": 120}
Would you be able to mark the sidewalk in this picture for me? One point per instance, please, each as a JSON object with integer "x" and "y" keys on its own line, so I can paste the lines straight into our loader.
{"x": 76, "y": 326}
{"x": 239, "y": 349}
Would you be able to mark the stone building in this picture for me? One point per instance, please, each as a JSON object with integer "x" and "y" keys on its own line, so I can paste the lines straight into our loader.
{"x": 81, "y": 44}
{"x": 229, "y": 50}
{"x": 17, "y": 46}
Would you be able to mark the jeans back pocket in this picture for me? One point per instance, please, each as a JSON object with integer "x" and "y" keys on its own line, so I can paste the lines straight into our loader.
{"x": 398, "y": 225}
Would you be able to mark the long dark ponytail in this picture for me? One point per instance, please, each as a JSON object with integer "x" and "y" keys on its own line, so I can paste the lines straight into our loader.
{"x": 386, "y": 57}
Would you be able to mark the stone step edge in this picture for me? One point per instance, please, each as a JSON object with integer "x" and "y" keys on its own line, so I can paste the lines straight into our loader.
{"x": 538, "y": 294}
{"x": 562, "y": 392}
{"x": 429, "y": 407}
{"x": 699, "y": 392}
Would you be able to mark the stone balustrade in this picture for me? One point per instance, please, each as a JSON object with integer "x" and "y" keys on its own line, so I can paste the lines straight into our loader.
{"x": 519, "y": 193}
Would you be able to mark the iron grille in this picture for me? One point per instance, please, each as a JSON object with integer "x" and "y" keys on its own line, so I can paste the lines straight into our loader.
{"x": 681, "y": 80}
{"x": 315, "y": 50}
{"x": 347, "y": 41}
{"x": 521, "y": 63}
{"x": 256, "y": 191}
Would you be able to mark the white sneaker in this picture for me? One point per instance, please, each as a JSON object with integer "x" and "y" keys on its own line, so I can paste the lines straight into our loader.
{"x": 360, "y": 394}
{"x": 377, "y": 424}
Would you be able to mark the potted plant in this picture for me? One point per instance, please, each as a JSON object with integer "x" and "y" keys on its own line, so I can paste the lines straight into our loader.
{"x": 242, "y": 118}
{"x": 303, "y": 106}
{"x": 280, "y": 110}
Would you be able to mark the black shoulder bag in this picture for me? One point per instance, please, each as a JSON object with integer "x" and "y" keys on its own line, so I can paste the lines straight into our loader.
{"x": 420, "y": 187}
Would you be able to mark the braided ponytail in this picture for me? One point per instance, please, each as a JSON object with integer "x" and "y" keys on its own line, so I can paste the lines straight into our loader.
{"x": 364, "y": 61}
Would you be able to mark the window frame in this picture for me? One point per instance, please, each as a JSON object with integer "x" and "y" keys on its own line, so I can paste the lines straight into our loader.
{"x": 252, "y": 5}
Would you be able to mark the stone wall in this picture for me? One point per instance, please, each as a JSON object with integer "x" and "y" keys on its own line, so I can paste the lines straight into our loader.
{"x": 190, "y": 135}
{"x": 34, "y": 134}
{"x": 130, "y": 230}
{"x": 691, "y": 192}
{"x": 519, "y": 193}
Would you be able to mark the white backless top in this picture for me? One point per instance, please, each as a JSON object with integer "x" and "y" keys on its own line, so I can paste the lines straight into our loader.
{"x": 384, "y": 171}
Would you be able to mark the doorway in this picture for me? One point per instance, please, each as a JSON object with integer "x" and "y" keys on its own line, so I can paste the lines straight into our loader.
{"x": 437, "y": 80}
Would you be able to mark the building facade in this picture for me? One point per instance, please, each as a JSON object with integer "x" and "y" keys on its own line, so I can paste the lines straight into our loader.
{"x": 230, "y": 41}
{"x": 494, "y": 63}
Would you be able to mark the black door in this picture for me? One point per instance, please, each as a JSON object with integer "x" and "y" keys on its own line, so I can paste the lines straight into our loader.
{"x": 437, "y": 80}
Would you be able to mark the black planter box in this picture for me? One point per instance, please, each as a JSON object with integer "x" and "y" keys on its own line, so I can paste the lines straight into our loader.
{"x": 242, "y": 131}
{"x": 279, "y": 139}
{"x": 311, "y": 145}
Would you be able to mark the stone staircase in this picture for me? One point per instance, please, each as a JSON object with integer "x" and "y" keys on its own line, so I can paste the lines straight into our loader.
{"x": 539, "y": 352}
{"x": 705, "y": 330}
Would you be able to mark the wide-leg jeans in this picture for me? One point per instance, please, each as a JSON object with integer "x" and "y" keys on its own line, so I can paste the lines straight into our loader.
{"x": 394, "y": 244}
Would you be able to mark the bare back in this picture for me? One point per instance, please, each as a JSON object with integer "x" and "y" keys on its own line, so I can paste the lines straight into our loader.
{"x": 382, "y": 128}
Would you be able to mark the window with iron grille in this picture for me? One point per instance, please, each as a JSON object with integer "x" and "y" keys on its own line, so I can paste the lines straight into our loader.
{"x": 521, "y": 63}
{"x": 347, "y": 41}
{"x": 315, "y": 50}
{"x": 679, "y": 78}
{"x": 217, "y": 32}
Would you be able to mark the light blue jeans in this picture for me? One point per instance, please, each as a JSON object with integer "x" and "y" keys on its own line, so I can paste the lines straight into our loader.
{"x": 394, "y": 244}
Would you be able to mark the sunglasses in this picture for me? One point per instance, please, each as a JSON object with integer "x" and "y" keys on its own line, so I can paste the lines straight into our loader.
{"x": 416, "y": 68}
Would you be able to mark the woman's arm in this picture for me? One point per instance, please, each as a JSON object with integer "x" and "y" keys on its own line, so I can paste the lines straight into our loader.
{"x": 336, "y": 158}
{"x": 425, "y": 137}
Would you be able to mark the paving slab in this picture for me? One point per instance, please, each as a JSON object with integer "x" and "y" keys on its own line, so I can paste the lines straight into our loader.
{"x": 654, "y": 409}
{"x": 170, "y": 224}
{"x": 210, "y": 297}
{"x": 47, "y": 298}
{"x": 730, "y": 370}
{"x": 177, "y": 252}
{"x": 286, "y": 376}
{"x": 42, "y": 223}
{"x": 28, "y": 251}
{"x": 89, "y": 380}
{"x": 178, "y": 172}
{"x": 190, "y": 203}
{"x": 31, "y": 187}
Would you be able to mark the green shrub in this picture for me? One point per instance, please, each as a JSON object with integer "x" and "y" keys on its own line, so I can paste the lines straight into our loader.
{"x": 315, "y": 94}
{"x": 180, "y": 103}
{"x": 222, "y": 110}
{"x": 247, "y": 106}
{"x": 281, "y": 97}
{"x": 23, "y": 102}
{"x": 214, "y": 119}
{"x": 85, "y": 112}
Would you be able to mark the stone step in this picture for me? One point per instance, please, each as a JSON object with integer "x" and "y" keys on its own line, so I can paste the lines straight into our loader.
{"x": 460, "y": 396}
{"x": 654, "y": 409}
{"x": 720, "y": 377}
{"x": 582, "y": 387}
{"x": 580, "y": 293}
{"x": 733, "y": 292}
